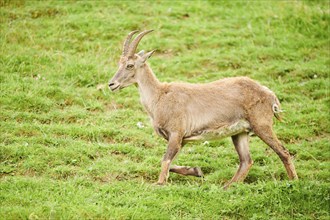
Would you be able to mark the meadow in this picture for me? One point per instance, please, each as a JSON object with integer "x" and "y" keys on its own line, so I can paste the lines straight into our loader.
{"x": 71, "y": 149}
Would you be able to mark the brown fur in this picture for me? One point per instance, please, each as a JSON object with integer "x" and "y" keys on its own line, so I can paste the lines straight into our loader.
{"x": 181, "y": 112}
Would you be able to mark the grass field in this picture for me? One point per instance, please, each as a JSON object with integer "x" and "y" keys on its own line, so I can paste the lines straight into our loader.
{"x": 71, "y": 149}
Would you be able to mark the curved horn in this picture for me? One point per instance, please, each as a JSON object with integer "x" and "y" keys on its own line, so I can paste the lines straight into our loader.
{"x": 126, "y": 43}
{"x": 136, "y": 41}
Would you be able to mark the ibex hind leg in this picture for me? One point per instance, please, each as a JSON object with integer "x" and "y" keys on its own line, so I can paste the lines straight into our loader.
{"x": 241, "y": 142}
{"x": 263, "y": 129}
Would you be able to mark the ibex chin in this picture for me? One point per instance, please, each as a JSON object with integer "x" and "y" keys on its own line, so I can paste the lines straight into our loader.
{"x": 182, "y": 112}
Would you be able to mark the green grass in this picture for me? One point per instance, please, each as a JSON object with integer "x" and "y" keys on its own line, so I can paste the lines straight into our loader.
{"x": 71, "y": 149}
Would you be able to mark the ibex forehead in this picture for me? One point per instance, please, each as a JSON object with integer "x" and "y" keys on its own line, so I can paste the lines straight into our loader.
{"x": 125, "y": 59}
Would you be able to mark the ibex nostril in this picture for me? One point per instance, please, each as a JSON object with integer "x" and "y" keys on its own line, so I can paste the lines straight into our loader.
{"x": 111, "y": 84}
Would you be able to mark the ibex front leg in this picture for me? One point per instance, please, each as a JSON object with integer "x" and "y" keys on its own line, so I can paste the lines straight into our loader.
{"x": 173, "y": 148}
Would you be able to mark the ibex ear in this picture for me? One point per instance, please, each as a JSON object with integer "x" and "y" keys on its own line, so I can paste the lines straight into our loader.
{"x": 141, "y": 53}
{"x": 147, "y": 56}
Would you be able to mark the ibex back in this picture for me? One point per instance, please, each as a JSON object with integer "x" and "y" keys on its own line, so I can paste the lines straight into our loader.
{"x": 182, "y": 112}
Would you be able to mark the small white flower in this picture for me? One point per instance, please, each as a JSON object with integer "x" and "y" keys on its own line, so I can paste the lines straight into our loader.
{"x": 140, "y": 125}
{"x": 100, "y": 86}
{"x": 206, "y": 143}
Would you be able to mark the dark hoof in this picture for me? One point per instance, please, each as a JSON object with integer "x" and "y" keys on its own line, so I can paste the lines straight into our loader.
{"x": 198, "y": 172}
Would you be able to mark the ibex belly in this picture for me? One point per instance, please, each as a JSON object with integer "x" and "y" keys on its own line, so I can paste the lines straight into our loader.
{"x": 221, "y": 132}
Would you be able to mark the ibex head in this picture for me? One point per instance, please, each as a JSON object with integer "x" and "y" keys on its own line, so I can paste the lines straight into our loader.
{"x": 130, "y": 62}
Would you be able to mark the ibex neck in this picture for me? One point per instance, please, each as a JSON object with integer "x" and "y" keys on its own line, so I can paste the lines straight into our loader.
{"x": 149, "y": 87}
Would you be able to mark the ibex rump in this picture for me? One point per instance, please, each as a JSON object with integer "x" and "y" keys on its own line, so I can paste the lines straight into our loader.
{"x": 182, "y": 112}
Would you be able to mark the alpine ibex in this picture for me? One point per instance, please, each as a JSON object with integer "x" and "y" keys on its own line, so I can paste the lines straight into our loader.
{"x": 182, "y": 112}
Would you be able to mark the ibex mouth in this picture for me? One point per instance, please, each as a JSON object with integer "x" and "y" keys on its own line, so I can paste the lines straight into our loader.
{"x": 114, "y": 86}
{"x": 114, "y": 89}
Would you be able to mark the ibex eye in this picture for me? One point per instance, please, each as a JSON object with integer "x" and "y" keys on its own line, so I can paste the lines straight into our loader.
{"x": 129, "y": 66}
